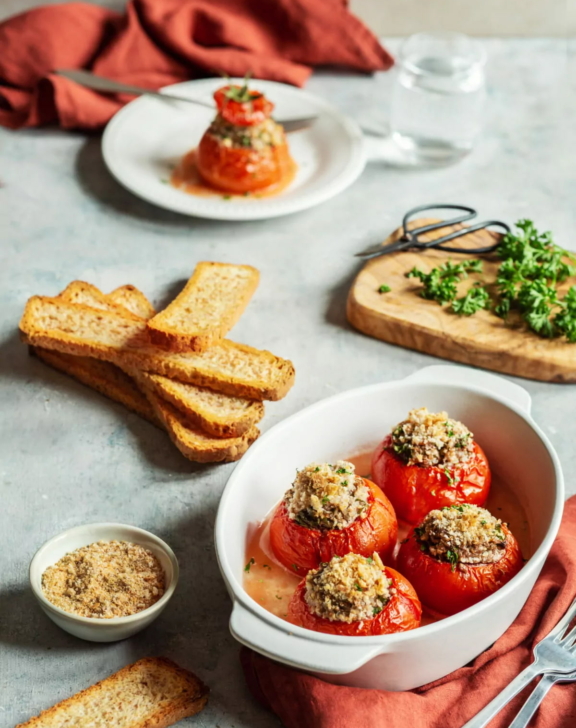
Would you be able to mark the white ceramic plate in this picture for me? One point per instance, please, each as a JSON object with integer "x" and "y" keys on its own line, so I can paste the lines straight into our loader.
{"x": 146, "y": 138}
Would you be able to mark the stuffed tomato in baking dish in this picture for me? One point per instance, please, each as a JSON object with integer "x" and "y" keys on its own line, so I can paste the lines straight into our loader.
{"x": 430, "y": 461}
{"x": 457, "y": 556}
{"x": 331, "y": 511}
{"x": 356, "y": 596}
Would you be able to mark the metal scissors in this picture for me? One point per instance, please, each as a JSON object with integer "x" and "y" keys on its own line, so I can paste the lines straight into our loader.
{"x": 409, "y": 238}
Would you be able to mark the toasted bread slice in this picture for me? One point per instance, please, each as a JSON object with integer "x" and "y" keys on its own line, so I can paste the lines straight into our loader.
{"x": 153, "y": 692}
{"x": 210, "y": 304}
{"x": 228, "y": 367}
{"x": 85, "y": 294}
{"x": 102, "y": 376}
{"x": 217, "y": 414}
{"x": 192, "y": 442}
{"x": 132, "y": 299}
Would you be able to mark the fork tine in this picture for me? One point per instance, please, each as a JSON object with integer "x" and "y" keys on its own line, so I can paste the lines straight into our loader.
{"x": 568, "y": 640}
{"x": 559, "y": 630}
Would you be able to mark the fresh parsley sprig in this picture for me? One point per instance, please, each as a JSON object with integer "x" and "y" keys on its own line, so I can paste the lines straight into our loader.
{"x": 441, "y": 283}
{"x": 532, "y": 268}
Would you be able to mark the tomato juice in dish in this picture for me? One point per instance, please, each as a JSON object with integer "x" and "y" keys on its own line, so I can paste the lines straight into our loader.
{"x": 272, "y": 585}
{"x": 244, "y": 152}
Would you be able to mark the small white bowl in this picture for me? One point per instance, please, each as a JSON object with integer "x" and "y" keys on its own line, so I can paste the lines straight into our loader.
{"x": 88, "y": 628}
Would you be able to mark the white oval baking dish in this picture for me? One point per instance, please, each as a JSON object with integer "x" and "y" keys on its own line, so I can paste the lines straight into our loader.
{"x": 498, "y": 413}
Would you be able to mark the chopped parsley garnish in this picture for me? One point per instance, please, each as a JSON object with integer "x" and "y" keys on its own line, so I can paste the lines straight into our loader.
{"x": 317, "y": 469}
{"x": 325, "y": 500}
{"x": 341, "y": 471}
{"x": 358, "y": 587}
{"x": 452, "y": 480}
{"x": 440, "y": 283}
{"x": 296, "y": 568}
{"x": 369, "y": 560}
{"x": 532, "y": 268}
{"x": 376, "y": 610}
{"x": 476, "y": 299}
{"x": 226, "y": 197}
{"x": 452, "y": 558}
{"x": 384, "y": 289}
{"x": 266, "y": 566}
{"x": 249, "y": 564}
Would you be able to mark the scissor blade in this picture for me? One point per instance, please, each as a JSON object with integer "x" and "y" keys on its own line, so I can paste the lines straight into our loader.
{"x": 375, "y": 250}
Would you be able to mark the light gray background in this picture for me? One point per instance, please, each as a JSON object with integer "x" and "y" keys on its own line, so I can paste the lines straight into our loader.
{"x": 68, "y": 456}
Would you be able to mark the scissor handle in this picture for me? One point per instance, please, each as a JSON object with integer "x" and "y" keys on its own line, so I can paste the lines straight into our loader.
{"x": 470, "y": 213}
{"x": 439, "y": 242}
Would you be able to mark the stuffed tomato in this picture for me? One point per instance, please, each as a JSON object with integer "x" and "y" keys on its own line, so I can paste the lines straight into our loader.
{"x": 430, "y": 461}
{"x": 356, "y": 596}
{"x": 331, "y": 511}
{"x": 244, "y": 150}
{"x": 458, "y": 556}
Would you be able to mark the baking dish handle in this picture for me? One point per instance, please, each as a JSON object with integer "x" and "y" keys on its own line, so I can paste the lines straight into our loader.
{"x": 281, "y": 644}
{"x": 501, "y": 387}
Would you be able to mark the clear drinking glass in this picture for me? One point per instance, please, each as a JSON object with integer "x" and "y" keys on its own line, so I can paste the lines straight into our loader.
{"x": 438, "y": 97}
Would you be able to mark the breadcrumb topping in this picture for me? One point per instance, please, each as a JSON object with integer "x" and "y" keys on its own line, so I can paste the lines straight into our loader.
{"x": 326, "y": 496}
{"x": 349, "y": 588}
{"x": 105, "y": 579}
{"x": 463, "y": 534}
{"x": 432, "y": 439}
{"x": 266, "y": 134}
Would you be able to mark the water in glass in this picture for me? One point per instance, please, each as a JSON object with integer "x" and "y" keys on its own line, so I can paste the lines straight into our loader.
{"x": 438, "y": 97}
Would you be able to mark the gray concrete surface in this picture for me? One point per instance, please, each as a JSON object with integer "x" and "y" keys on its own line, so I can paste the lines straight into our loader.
{"x": 68, "y": 456}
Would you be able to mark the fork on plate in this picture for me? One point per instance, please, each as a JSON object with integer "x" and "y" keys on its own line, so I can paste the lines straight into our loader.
{"x": 554, "y": 658}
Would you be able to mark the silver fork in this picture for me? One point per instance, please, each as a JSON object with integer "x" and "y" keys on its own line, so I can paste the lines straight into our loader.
{"x": 537, "y": 696}
{"x": 553, "y": 654}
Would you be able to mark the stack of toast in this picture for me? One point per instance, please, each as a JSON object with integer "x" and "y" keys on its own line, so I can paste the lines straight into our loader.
{"x": 174, "y": 367}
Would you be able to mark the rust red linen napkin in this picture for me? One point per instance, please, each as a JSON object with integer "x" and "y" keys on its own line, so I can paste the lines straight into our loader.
{"x": 302, "y": 701}
{"x": 158, "y": 42}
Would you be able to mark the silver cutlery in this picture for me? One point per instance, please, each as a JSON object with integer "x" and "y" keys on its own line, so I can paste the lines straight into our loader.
{"x": 106, "y": 85}
{"x": 554, "y": 654}
{"x": 537, "y": 696}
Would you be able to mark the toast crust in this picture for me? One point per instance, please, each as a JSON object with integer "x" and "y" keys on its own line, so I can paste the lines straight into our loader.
{"x": 228, "y": 367}
{"x": 220, "y": 291}
{"x": 189, "y": 400}
{"x": 85, "y": 294}
{"x": 190, "y": 697}
{"x": 131, "y": 298}
{"x": 193, "y": 443}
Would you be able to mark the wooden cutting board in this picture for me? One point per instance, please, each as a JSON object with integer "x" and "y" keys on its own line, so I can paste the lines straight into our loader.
{"x": 403, "y": 317}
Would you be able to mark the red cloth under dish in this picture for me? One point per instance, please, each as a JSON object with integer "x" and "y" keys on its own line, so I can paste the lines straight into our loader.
{"x": 159, "y": 42}
{"x": 302, "y": 701}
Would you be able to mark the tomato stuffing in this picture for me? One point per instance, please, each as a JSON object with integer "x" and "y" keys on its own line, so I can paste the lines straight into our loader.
{"x": 447, "y": 588}
{"x": 300, "y": 548}
{"x": 415, "y": 490}
{"x": 402, "y": 612}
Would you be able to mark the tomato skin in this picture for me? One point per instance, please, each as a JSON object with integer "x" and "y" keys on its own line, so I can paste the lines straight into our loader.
{"x": 447, "y": 592}
{"x": 306, "y": 548}
{"x": 246, "y": 113}
{"x": 415, "y": 491}
{"x": 241, "y": 169}
{"x": 403, "y": 612}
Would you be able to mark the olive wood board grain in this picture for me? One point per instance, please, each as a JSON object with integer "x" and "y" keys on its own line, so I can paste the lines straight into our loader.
{"x": 404, "y": 318}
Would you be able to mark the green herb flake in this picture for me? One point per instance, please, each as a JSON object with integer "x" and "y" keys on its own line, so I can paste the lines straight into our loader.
{"x": 226, "y": 197}
{"x": 452, "y": 558}
{"x": 384, "y": 288}
{"x": 249, "y": 564}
